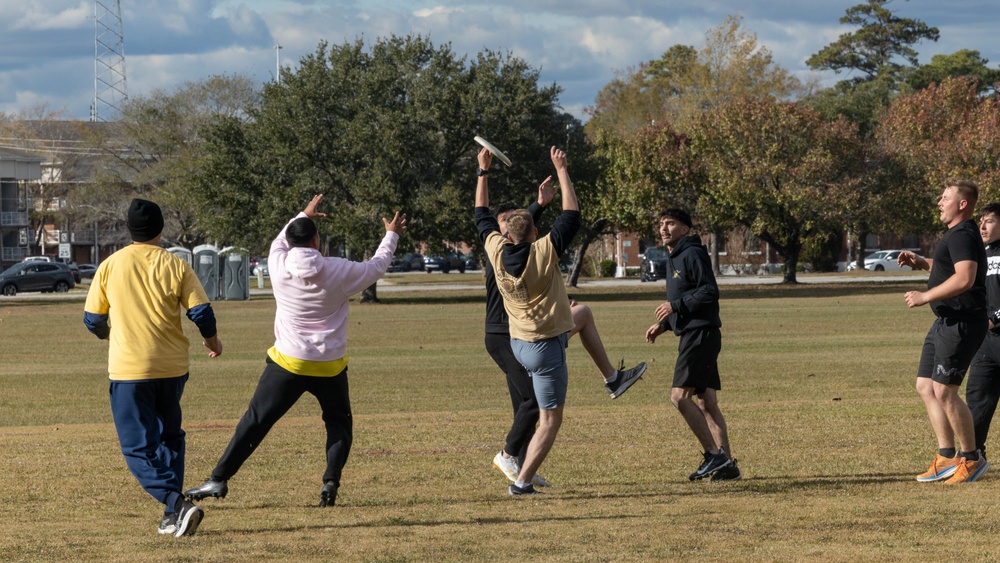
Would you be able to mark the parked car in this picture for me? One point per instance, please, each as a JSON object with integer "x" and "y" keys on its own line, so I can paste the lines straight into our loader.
{"x": 407, "y": 262}
{"x": 471, "y": 261}
{"x": 880, "y": 261}
{"x": 654, "y": 265}
{"x": 39, "y": 259}
{"x": 444, "y": 262}
{"x": 36, "y": 275}
{"x": 87, "y": 271}
{"x": 73, "y": 268}
{"x": 260, "y": 267}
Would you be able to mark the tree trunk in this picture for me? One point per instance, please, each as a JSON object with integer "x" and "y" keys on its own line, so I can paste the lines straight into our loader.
{"x": 370, "y": 294}
{"x": 589, "y": 234}
{"x": 860, "y": 259}
{"x": 791, "y": 256}
{"x": 714, "y": 253}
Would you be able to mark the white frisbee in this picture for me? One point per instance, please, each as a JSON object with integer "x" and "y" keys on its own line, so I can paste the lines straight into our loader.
{"x": 496, "y": 152}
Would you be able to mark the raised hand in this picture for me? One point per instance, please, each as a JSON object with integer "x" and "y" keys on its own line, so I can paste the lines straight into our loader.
{"x": 546, "y": 191}
{"x": 311, "y": 209}
{"x": 397, "y": 225}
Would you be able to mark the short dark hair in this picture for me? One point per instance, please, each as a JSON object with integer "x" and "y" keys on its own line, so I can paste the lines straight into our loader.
{"x": 993, "y": 208}
{"x": 677, "y": 215}
{"x": 967, "y": 189}
{"x": 300, "y": 232}
{"x": 505, "y": 207}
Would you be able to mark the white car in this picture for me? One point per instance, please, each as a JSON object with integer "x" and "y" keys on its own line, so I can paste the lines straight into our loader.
{"x": 881, "y": 261}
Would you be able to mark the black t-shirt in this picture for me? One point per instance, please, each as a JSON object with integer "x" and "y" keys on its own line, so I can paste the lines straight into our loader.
{"x": 961, "y": 242}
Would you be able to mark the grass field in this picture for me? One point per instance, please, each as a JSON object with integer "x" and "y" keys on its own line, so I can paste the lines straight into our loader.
{"x": 818, "y": 394}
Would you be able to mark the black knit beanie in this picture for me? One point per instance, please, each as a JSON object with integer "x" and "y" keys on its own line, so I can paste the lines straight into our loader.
{"x": 145, "y": 220}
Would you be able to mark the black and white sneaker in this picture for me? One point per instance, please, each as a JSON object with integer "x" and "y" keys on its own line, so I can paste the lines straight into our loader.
{"x": 730, "y": 472}
{"x": 169, "y": 524}
{"x": 188, "y": 519}
{"x": 712, "y": 463}
{"x": 515, "y": 491}
{"x": 624, "y": 378}
{"x": 328, "y": 496}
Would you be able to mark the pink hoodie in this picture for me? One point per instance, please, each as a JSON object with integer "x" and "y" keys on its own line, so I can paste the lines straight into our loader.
{"x": 312, "y": 293}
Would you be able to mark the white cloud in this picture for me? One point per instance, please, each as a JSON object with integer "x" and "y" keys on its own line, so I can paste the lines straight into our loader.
{"x": 33, "y": 17}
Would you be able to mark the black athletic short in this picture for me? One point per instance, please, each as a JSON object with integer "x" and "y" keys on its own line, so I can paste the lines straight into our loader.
{"x": 698, "y": 359}
{"x": 949, "y": 348}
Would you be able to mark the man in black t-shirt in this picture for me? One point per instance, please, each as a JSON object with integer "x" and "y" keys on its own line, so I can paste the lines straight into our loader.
{"x": 956, "y": 292}
{"x": 982, "y": 392}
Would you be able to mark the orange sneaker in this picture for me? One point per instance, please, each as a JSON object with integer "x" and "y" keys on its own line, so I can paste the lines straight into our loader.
{"x": 969, "y": 471}
{"x": 941, "y": 468}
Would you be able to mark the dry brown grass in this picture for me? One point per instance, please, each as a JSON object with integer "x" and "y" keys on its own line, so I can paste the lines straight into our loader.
{"x": 817, "y": 392}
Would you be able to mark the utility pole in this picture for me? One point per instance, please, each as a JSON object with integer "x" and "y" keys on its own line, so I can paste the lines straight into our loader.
{"x": 277, "y": 63}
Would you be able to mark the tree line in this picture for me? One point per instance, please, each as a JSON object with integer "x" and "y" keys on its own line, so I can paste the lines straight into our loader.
{"x": 720, "y": 129}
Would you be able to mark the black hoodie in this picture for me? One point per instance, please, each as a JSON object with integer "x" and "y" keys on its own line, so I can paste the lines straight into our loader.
{"x": 691, "y": 288}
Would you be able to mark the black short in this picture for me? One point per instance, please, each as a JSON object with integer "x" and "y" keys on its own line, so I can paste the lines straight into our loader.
{"x": 949, "y": 348}
{"x": 698, "y": 360}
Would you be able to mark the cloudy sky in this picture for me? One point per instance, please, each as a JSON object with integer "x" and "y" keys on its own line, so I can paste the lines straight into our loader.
{"x": 47, "y": 46}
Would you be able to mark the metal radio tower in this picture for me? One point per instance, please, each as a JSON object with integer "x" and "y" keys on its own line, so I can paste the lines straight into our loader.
{"x": 109, "y": 61}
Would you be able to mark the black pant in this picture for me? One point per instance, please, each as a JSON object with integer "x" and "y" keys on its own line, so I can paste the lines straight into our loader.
{"x": 277, "y": 390}
{"x": 522, "y": 395}
{"x": 983, "y": 389}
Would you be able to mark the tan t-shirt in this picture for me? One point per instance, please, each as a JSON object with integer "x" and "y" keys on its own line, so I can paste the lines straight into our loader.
{"x": 536, "y": 302}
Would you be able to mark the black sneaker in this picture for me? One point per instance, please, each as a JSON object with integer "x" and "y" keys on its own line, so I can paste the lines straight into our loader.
{"x": 328, "y": 496}
{"x": 188, "y": 519}
{"x": 211, "y": 488}
{"x": 712, "y": 463}
{"x": 624, "y": 379}
{"x": 728, "y": 473}
{"x": 169, "y": 524}
{"x": 515, "y": 491}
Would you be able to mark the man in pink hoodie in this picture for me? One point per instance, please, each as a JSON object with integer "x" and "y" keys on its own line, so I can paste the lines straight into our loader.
{"x": 310, "y": 347}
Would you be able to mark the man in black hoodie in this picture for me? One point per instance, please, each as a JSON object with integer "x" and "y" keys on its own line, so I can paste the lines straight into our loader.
{"x": 692, "y": 312}
{"x": 982, "y": 392}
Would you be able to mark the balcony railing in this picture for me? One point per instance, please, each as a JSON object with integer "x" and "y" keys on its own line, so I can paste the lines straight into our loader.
{"x": 87, "y": 236}
{"x": 13, "y": 218}
{"x": 15, "y": 254}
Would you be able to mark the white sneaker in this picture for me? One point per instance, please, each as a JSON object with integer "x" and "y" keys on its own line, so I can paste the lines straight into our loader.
{"x": 508, "y": 465}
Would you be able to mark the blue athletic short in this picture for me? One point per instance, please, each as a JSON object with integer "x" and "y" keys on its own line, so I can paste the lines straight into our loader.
{"x": 545, "y": 362}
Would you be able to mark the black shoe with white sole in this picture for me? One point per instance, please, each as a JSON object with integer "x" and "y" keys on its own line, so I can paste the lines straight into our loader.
{"x": 712, "y": 463}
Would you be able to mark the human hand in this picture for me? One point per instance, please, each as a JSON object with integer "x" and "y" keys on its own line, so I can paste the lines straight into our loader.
{"x": 664, "y": 310}
{"x": 915, "y": 299}
{"x": 310, "y": 209}
{"x": 909, "y": 258}
{"x": 546, "y": 191}
{"x": 397, "y": 225}
{"x": 485, "y": 158}
{"x": 652, "y": 332}
{"x": 214, "y": 346}
{"x": 558, "y": 158}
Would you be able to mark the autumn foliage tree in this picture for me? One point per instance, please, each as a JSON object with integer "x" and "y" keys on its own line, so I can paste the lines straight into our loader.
{"x": 945, "y": 131}
{"x": 777, "y": 168}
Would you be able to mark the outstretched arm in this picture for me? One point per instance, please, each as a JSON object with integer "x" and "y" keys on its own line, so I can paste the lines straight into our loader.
{"x": 482, "y": 184}
{"x": 569, "y": 202}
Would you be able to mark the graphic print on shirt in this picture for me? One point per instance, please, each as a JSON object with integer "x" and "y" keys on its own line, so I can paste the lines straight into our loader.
{"x": 513, "y": 289}
{"x": 993, "y": 265}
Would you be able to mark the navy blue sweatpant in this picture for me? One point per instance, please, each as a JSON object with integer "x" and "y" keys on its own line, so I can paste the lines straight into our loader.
{"x": 147, "y": 415}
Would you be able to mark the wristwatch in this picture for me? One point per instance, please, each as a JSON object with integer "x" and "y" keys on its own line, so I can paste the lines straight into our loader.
{"x": 480, "y": 172}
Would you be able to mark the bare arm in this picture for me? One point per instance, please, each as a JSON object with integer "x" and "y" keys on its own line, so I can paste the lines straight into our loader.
{"x": 959, "y": 282}
{"x": 569, "y": 202}
{"x": 482, "y": 184}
